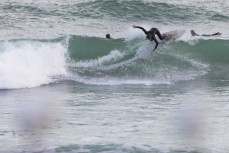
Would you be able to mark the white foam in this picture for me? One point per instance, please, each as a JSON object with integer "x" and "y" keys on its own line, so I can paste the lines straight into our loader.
{"x": 30, "y": 64}
{"x": 112, "y": 56}
{"x": 118, "y": 81}
{"x": 134, "y": 33}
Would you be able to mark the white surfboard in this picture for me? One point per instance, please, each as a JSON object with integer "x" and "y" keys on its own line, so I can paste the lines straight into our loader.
{"x": 172, "y": 36}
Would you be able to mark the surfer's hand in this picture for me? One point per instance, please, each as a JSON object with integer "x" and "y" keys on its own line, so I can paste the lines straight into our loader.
{"x": 154, "y": 50}
{"x": 134, "y": 26}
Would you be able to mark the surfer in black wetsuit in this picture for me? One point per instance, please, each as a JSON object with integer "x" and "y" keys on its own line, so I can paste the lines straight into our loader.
{"x": 193, "y": 33}
{"x": 151, "y": 35}
{"x": 214, "y": 34}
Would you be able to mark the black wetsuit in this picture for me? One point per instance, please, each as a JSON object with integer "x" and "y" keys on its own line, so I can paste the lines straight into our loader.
{"x": 214, "y": 34}
{"x": 151, "y": 34}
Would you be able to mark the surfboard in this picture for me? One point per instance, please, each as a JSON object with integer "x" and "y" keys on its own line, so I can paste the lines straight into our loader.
{"x": 172, "y": 36}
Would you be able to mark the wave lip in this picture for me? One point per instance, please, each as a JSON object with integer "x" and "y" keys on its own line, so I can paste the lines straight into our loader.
{"x": 27, "y": 64}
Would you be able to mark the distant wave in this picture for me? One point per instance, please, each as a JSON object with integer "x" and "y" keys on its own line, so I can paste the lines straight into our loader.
{"x": 160, "y": 12}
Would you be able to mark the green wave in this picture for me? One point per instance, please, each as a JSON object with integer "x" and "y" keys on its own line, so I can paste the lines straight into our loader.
{"x": 83, "y": 48}
{"x": 210, "y": 51}
{"x": 86, "y": 48}
{"x": 93, "y": 60}
{"x": 97, "y": 58}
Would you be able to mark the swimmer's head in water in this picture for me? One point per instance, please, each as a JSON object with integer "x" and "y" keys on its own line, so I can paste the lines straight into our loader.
{"x": 108, "y": 36}
{"x": 193, "y": 33}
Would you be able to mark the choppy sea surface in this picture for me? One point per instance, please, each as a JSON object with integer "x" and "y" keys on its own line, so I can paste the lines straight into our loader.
{"x": 64, "y": 87}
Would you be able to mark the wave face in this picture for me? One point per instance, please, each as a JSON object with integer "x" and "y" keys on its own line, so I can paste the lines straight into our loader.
{"x": 133, "y": 62}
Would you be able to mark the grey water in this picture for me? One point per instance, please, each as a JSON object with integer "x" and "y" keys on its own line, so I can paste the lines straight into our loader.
{"x": 65, "y": 88}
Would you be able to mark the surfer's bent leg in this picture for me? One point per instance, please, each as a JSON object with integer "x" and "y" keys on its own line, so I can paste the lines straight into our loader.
{"x": 159, "y": 35}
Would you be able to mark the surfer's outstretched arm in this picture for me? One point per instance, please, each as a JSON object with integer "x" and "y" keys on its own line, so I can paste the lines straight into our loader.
{"x": 141, "y": 29}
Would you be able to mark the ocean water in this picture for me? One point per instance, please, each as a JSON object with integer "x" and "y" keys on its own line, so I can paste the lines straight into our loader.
{"x": 64, "y": 88}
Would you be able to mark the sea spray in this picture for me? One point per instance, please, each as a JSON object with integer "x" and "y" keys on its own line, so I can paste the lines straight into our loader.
{"x": 26, "y": 64}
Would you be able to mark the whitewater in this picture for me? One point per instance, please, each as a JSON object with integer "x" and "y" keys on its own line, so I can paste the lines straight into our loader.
{"x": 64, "y": 87}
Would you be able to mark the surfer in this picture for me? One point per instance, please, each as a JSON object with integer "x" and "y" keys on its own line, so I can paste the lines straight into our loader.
{"x": 193, "y": 33}
{"x": 151, "y": 35}
{"x": 214, "y": 34}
